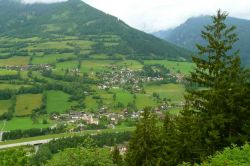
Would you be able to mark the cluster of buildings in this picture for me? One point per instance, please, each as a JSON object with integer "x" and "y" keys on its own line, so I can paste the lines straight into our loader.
{"x": 122, "y": 77}
{"x": 76, "y": 116}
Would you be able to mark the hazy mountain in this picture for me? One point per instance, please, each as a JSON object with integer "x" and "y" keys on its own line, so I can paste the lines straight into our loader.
{"x": 76, "y": 18}
{"x": 188, "y": 34}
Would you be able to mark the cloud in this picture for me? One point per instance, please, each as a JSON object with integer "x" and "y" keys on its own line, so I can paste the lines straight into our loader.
{"x": 154, "y": 15}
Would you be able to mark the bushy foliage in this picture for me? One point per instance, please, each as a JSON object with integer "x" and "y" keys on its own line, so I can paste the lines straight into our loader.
{"x": 82, "y": 156}
{"x": 230, "y": 156}
{"x": 99, "y": 140}
{"x": 14, "y": 157}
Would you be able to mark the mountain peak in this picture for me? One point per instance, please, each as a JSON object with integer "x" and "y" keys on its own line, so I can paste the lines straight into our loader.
{"x": 76, "y": 18}
{"x": 188, "y": 34}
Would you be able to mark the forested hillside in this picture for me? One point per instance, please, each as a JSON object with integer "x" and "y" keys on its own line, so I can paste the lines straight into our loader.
{"x": 75, "y": 18}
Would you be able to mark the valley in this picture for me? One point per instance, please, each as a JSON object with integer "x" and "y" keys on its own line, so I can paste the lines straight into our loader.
{"x": 62, "y": 75}
{"x": 79, "y": 86}
{"x": 94, "y": 64}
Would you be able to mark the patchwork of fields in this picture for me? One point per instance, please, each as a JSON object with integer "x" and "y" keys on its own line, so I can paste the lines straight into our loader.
{"x": 73, "y": 80}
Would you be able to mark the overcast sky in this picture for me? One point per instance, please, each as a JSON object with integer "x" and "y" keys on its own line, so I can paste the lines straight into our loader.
{"x": 155, "y": 15}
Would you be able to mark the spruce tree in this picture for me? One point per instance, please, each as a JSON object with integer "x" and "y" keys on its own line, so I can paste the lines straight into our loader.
{"x": 144, "y": 146}
{"x": 215, "y": 88}
{"x": 116, "y": 156}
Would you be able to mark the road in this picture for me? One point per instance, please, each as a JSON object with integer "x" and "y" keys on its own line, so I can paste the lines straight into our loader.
{"x": 37, "y": 141}
{"x": 25, "y": 143}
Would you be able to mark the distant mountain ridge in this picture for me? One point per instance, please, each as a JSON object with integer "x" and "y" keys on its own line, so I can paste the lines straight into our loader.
{"x": 76, "y": 18}
{"x": 188, "y": 34}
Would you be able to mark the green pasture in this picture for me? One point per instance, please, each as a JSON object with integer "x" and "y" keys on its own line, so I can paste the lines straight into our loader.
{"x": 11, "y": 86}
{"x": 143, "y": 100}
{"x": 15, "y": 61}
{"x": 7, "y": 72}
{"x": 90, "y": 103}
{"x": 24, "y": 75}
{"x": 51, "y": 58}
{"x": 37, "y": 74}
{"x": 131, "y": 64}
{"x": 21, "y": 123}
{"x": 26, "y": 103}
{"x": 173, "y": 66}
{"x": 57, "y": 101}
{"x": 174, "y": 92}
{"x": 89, "y": 66}
{"x": 99, "y": 56}
{"x": 50, "y": 45}
{"x": 67, "y": 65}
{"x": 82, "y": 44}
{"x": 4, "y": 106}
{"x": 122, "y": 96}
{"x": 63, "y": 66}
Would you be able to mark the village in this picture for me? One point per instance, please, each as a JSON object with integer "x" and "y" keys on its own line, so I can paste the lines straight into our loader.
{"x": 83, "y": 120}
{"x": 128, "y": 79}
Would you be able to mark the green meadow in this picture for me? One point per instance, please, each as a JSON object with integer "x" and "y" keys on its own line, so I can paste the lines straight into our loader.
{"x": 51, "y": 58}
{"x": 4, "y": 106}
{"x": 7, "y": 72}
{"x": 26, "y": 103}
{"x": 21, "y": 123}
{"x": 57, "y": 101}
{"x": 174, "y": 92}
{"x": 11, "y": 86}
{"x": 15, "y": 61}
{"x": 173, "y": 66}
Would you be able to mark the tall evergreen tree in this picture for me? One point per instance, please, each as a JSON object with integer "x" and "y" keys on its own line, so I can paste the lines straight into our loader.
{"x": 216, "y": 88}
{"x": 144, "y": 146}
{"x": 116, "y": 156}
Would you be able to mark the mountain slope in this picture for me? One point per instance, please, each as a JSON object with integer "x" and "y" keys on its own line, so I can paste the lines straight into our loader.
{"x": 75, "y": 18}
{"x": 188, "y": 34}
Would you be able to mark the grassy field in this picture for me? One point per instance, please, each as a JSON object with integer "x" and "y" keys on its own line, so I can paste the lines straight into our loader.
{"x": 15, "y": 61}
{"x": 122, "y": 96}
{"x": 90, "y": 103}
{"x": 7, "y": 72}
{"x": 11, "y": 86}
{"x": 4, "y": 106}
{"x": 173, "y": 66}
{"x": 123, "y": 129}
{"x": 50, "y": 59}
{"x": 143, "y": 100}
{"x": 57, "y": 101}
{"x": 174, "y": 92}
{"x": 50, "y": 45}
{"x": 89, "y": 66}
{"x": 63, "y": 66}
{"x": 67, "y": 65}
{"x": 131, "y": 64}
{"x": 26, "y": 103}
{"x": 21, "y": 123}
